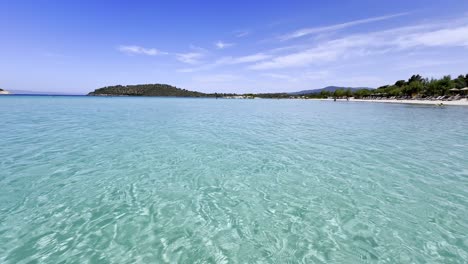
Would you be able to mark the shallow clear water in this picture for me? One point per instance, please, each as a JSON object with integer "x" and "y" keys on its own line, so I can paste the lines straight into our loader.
{"x": 154, "y": 180}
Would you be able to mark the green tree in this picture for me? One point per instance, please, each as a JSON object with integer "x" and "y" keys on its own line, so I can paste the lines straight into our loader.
{"x": 324, "y": 94}
{"x": 339, "y": 93}
{"x": 431, "y": 87}
{"x": 400, "y": 83}
{"x": 415, "y": 78}
{"x": 445, "y": 84}
{"x": 362, "y": 93}
{"x": 414, "y": 87}
{"x": 348, "y": 93}
{"x": 460, "y": 82}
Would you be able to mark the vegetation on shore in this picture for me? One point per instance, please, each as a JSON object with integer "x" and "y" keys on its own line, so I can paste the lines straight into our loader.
{"x": 151, "y": 90}
{"x": 419, "y": 86}
{"x": 415, "y": 86}
{"x": 268, "y": 95}
{"x": 145, "y": 90}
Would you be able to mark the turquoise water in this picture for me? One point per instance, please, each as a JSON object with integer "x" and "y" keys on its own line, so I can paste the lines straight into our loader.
{"x": 161, "y": 180}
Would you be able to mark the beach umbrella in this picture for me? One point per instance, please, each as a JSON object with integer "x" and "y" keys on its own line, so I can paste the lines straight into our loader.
{"x": 454, "y": 90}
{"x": 464, "y": 89}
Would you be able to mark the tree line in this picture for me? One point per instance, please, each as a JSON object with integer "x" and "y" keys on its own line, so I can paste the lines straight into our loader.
{"x": 415, "y": 86}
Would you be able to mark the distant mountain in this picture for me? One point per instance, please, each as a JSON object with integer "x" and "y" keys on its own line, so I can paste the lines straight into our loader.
{"x": 147, "y": 90}
{"x": 329, "y": 89}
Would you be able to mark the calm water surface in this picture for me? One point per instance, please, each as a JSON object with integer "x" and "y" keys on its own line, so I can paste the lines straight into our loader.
{"x": 161, "y": 180}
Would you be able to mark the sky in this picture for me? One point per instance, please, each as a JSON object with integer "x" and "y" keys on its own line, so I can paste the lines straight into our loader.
{"x": 228, "y": 46}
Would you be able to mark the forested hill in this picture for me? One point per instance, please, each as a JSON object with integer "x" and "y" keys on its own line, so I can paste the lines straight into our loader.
{"x": 147, "y": 90}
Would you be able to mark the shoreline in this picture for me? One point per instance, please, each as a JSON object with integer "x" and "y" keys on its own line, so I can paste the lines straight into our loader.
{"x": 461, "y": 102}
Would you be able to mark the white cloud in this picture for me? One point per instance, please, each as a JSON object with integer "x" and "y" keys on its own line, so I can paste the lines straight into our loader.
{"x": 244, "y": 59}
{"x": 347, "y": 60}
{"x": 302, "y": 58}
{"x": 277, "y": 76}
{"x": 190, "y": 57}
{"x": 222, "y": 45}
{"x": 229, "y": 61}
{"x": 198, "y": 49}
{"x": 404, "y": 38}
{"x": 457, "y": 36}
{"x": 307, "y": 31}
{"x": 241, "y": 33}
{"x": 140, "y": 50}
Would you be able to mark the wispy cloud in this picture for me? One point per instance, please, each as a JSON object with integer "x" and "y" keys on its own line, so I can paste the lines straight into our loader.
{"x": 222, "y": 45}
{"x": 454, "y": 36}
{"x": 279, "y": 76}
{"x": 313, "y": 30}
{"x": 241, "y": 33}
{"x": 190, "y": 57}
{"x": 229, "y": 61}
{"x": 243, "y": 59}
{"x": 137, "y": 50}
{"x": 380, "y": 42}
{"x": 298, "y": 59}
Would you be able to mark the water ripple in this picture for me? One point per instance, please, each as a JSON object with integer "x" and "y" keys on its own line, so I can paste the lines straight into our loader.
{"x": 148, "y": 180}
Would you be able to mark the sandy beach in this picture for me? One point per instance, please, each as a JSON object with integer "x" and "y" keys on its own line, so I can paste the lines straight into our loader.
{"x": 462, "y": 102}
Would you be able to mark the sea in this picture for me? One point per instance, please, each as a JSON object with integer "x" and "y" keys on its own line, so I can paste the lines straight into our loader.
{"x": 188, "y": 180}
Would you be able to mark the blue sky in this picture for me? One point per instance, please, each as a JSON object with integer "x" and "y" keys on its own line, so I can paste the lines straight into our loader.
{"x": 240, "y": 46}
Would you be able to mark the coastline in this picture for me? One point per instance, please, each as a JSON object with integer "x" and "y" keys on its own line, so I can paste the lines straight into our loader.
{"x": 462, "y": 102}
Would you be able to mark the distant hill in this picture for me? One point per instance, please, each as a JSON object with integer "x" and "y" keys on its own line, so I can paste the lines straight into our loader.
{"x": 329, "y": 89}
{"x": 146, "y": 90}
